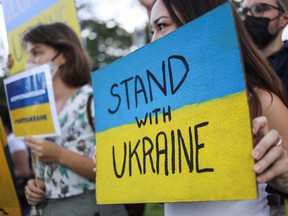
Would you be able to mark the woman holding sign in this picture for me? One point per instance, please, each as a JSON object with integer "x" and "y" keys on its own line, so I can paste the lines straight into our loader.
{"x": 266, "y": 97}
{"x": 66, "y": 184}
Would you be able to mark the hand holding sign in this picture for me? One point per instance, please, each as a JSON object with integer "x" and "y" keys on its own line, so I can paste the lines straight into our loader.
{"x": 166, "y": 117}
{"x": 34, "y": 192}
{"x": 44, "y": 150}
{"x": 271, "y": 159}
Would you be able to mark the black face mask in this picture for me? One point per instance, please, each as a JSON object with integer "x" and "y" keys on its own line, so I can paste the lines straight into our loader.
{"x": 257, "y": 27}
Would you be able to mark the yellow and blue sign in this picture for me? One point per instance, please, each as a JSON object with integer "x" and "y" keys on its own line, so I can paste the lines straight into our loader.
{"x": 9, "y": 204}
{"x": 172, "y": 119}
{"x": 31, "y": 103}
{"x": 21, "y": 15}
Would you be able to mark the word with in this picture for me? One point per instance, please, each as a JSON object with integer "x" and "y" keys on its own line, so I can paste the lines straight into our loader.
{"x": 150, "y": 149}
{"x": 155, "y": 112}
{"x": 139, "y": 88}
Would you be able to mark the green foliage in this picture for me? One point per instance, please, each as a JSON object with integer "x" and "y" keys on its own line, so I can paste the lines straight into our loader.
{"x": 105, "y": 42}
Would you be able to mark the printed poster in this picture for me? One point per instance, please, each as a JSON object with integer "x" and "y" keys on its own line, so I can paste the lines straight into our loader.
{"x": 21, "y": 15}
{"x": 172, "y": 119}
{"x": 31, "y": 103}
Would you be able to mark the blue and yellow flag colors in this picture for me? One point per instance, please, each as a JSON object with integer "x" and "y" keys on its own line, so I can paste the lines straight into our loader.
{"x": 21, "y": 15}
{"x": 9, "y": 204}
{"x": 172, "y": 119}
{"x": 31, "y": 103}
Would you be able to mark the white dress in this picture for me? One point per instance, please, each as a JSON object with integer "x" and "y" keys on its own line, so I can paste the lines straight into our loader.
{"x": 256, "y": 207}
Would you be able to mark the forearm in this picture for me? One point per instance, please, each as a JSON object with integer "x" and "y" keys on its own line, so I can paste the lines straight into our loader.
{"x": 21, "y": 173}
{"x": 77, "y": 163}
{"x": 21, "y": 164}
{"x": 280, "y": 183}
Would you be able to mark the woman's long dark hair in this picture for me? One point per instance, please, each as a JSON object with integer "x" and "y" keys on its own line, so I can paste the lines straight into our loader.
{"x": 258, "y": 72}
{"x": 76, "y": 70}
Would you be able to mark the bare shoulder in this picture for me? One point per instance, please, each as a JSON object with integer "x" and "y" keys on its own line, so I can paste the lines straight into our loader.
{"x": 276, "y": 113}
{"x": 269, "y": 100}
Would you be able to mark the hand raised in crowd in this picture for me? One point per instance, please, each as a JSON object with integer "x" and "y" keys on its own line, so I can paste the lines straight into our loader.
{"x": 43, "y": 150}
{"x": 271, "y": 159}
{"x": 147, "y": 4}
{"x": 34, "y": 191}
{"x": 10, "y": 62}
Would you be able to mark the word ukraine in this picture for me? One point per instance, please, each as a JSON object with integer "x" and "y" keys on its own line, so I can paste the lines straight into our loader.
{"x": 159, "y": 151}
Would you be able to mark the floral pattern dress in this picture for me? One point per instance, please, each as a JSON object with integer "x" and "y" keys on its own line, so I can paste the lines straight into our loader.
{"x": 77, "y": 136}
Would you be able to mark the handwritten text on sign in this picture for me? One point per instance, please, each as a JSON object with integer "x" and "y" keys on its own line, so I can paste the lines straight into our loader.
{"x": 166, "y": 119}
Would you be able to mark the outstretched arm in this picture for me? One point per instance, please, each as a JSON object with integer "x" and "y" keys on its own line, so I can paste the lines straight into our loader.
{"x": 49, "y": 152}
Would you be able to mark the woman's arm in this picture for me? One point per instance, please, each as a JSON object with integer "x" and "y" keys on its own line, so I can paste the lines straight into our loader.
{"x": 276, "y": 113}
{"x": 271, "y": 159}
{"x": 49, "y": 152}
{"x": 21, "y": 164}
{"x": 34, "y": 191}
{"x": 148, "y": 4}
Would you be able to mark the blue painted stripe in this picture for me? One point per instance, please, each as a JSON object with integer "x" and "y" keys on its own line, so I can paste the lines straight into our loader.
{"x": 17, "y": 12}
{"x": 28, "y": 91}
{"x": 210, "y": 47}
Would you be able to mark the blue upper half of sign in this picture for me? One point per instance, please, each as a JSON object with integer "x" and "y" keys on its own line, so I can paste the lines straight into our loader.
{"x": 27, "y": 91}
{"x": 17, "y": 12}
{"x": 199, "y": 62}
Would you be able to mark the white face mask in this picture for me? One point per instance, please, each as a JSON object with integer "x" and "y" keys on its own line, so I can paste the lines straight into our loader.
{"x": 53, "y": 67}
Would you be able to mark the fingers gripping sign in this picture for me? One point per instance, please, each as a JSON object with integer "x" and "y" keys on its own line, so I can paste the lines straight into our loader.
{"x": 271, "y": 158}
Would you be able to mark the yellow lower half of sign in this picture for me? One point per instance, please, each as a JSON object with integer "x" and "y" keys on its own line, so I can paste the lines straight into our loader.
{"x": 202, "y": 152}
{"x": 32, "y": 120}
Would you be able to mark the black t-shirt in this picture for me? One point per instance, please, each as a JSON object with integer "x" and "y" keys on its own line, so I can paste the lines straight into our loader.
{"x": 279, "y": 62}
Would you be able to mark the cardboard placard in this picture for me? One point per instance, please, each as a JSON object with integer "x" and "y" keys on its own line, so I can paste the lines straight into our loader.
{"x": 172, "y": 119}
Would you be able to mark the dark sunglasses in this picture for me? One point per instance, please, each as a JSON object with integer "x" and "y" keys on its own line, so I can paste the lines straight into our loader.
{"x": 257, "y": 9}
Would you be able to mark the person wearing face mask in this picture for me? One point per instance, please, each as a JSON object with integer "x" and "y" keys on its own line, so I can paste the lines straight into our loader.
{"x": 266, "y": 98}
{"x": 65, "y": 183}
{"x": 265, "y": 21}
{"x": 52, "y": 65}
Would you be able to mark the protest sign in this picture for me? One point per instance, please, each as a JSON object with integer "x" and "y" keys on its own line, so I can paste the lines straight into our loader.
{"x": 172, "y": 119}
{"x": 21, "y": 15}
{"x": 31, "y": 103}
{"x": 9, "y": 204}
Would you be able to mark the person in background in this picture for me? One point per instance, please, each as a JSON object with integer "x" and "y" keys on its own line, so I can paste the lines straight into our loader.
{"x": 66, "y": 184}
{"x": 20, "y": 160}
{"x": 266, "y": 98}
{"x": 265, "y": 21}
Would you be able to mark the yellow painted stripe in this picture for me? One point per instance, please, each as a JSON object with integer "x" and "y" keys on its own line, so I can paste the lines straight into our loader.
{"x": 227, "y": 150}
